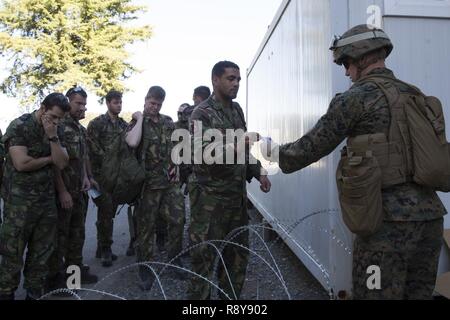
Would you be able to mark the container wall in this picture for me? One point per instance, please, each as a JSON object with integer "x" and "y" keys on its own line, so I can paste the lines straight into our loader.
{"x": 289, "y": 88}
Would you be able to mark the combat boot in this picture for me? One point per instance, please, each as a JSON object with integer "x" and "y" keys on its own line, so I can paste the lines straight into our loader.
{"x": 98, "y": 254}
{"x": 34, "y": 294}
{"x": 87, "y": 277}
{"x": 146, "y": 278}
{"x": 7, "y": 296}
{"x": 106, "y": 257}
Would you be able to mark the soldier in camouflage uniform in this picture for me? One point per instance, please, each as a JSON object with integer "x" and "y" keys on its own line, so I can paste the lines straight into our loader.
{"x": 150, "y": 133}
{"x": 101, "y": 131}
{"x": 407, "y": 246}
{"x": 71, "y": 185}
{"x": 184, "y": 112}
{"x": 33, "y": 150}
{"x": 218, "y": 191}
{"x": 200, "y": 94}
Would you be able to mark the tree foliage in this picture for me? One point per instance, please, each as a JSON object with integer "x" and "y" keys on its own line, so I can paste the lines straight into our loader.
{"x": 51, "y": 45}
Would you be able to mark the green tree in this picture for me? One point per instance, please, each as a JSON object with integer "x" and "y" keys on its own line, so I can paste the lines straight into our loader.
{"x": 51, "y": 45}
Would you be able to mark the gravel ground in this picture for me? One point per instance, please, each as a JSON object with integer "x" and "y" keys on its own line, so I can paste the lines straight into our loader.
{"x": 121, "y": 281}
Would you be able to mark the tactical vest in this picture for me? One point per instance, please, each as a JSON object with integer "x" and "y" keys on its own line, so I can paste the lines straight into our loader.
{"x": 415, "y": 150}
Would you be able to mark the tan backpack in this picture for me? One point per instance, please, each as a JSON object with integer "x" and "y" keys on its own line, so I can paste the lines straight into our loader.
{"x": 415, "y": 150}
{"x": 418, "y": 129}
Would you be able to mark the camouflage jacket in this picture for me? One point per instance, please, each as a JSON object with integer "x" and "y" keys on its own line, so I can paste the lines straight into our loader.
{"x": 26, "y": 131}
{"x": 225, "y": 179}
{"x": 75, "y": 141}
{"x": 101, "y": 132}
{"x": 182, "y": 125}
{"x": 155, "y": 150}
{"x": 185, "y": 168}
{"x": 363, "y": 109}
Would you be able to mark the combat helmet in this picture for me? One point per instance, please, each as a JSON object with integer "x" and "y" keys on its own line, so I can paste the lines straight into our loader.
{"x": 359, "y": 41}
{"x": 184, "y": 112}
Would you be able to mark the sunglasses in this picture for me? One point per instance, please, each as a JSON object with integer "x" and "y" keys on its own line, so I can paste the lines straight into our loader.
{"x": 75, "y": 90}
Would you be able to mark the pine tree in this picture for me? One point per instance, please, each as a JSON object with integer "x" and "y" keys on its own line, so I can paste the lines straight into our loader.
{"x": 51, "y": 45}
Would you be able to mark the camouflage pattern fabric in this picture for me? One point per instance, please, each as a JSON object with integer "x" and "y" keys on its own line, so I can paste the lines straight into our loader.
{"x": 408, "y": 256}
{"x": 168, "y": 205}
{"x": 70, "y": 236}
{"x": 363, "y": 109}
{"x": 26, "y": 131}
{"x": 213, "y": 217}
{"x": 30, "y": 211}
{"x": 360, "y": 48}
{"x": 106, "y": 211}
{"x": 156, "y": 139}
{"x": 162, "y": 203}
{"x": 75, "y": 138}
{"x": 28, "y": 223}
{"x": 185, "y": 169}
{"x": 218, "y": 203}
{"x": 71, "y": 223}
{"x": 101, "y": 131}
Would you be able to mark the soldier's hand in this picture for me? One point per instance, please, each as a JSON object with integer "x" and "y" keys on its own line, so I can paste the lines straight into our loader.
{"x": 94, "y": 184}
{"x": 137, "y": 115}
{"x": 49, "y": 126}
{"x": 252, "y": 137}
{"x": 66, "y": 200}
{"x": 265, "y": 184}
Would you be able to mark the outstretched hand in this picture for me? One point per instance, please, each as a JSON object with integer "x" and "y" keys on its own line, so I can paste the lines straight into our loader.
{"x": 265, "y": 184}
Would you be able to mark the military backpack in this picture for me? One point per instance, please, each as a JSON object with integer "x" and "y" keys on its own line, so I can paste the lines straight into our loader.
{"x": 415, "y": 150}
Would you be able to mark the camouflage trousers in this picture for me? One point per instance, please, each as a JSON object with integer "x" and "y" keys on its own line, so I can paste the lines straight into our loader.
{"x": 106, "y": 211}
{"x": 28, "y": 223}
{"x": 407, "y": 254}
{"x": 168, "y": 205}
{"x": 213, "y": 217}
{"x": 70, "y": 236}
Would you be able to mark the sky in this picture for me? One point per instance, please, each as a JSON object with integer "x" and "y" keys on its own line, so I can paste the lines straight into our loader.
{"x": 189, "y": 37}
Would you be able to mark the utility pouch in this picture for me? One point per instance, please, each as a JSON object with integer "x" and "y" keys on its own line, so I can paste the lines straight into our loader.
{"x": 359, "y": 180}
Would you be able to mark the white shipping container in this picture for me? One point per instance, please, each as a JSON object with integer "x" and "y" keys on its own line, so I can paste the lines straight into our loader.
{"x": 289, "y": 86}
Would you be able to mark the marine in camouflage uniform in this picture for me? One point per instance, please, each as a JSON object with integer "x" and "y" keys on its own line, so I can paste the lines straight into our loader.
{"x": 218, "y": 193}
{"x": 101, "y": 132}
{"x": 30, "y": 214}
{"x": 407, "y": 246}
{"x": 72, "y": 180}
{"x": 161, "y": 196}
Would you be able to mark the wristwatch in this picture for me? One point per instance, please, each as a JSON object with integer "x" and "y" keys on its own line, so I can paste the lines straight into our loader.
{"x": 53, "y": 139}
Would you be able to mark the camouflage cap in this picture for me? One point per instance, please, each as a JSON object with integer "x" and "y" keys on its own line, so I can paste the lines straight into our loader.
{"x": 359, "y": 41}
